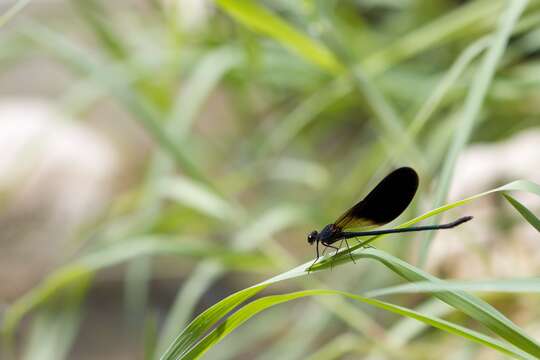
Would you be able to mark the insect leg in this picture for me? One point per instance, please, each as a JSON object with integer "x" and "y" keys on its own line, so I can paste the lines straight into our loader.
{"x": 349, "y": 250}
{"x": 317, "y": 258}
{"x": 337, "y": 249}
{"x": 324, "y": 250}
{"x": 367, "y": 246}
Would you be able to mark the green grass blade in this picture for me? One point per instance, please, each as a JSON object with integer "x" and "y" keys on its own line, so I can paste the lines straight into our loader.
{"x": 337, "y": 348}
{"x": 406, "y": 329}
{"x": 202, "y": 323}
{"x": 204, "y": 275}
{"x": 109, "y": 256}
{"x": 253, "y": 308}
{"x": 267, "y": 225}
{"x": 309, "y": 327}
{"x": 212, "y": 315}
{"x": 259, "y": 19}
{"x": 448, "y": 80}
{"x": 138, "y": 275}
{"x": 457, "y": 68}
{"x": 150, "y": 336}
{"x": 474, "y": 307}
{"x": 55, "y": 327}
{"x": 526, "y": 213}
{"x": 435, "y": 33}
{"x": 199, "y": 197}
{"x": 118, "y": 84}
{"x": 203, "y": 79}
{"x": 387, "y": 119}
{"x": 495, "y": 321}
{"x": 96, "y": 17}
{"x": 515, "y": 286}
{"x": 300, "y": 117}
{"x": 473, "y": 105}
{"x": 470, "y": 305}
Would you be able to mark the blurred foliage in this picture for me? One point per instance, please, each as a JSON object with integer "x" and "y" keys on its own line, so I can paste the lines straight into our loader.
{"x": 267, "y": 120}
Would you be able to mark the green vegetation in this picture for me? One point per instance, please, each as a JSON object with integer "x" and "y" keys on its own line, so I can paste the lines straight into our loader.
{"x": 268, "y": 119}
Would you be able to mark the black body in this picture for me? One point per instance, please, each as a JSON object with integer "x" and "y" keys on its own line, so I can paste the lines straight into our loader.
{"x": 383, "y": 204}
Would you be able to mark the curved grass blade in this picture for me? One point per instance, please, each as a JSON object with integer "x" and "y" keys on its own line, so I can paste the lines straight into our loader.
{"x": 263, "y": 21}
{"x": 470, "y": 305}
{"x": 112, "y": 255}
{"x": 299, "y": 118}
{"x": 94, "y": 14}
{"x": 441, "y": 30}
{"x": 259, "y": 19}
{"x": 56, "y": 326}
{"x": 526, "y": 213}
{"x": 199, "y": 197}
{"x": 473, "y": 105}
{"x": 405, "y": 330}
{"x": 200, "y": 280}
{"x": 204, "y": 78}
{"x": 514, "y": 286}
{"x": 387, "y": 118}
{"x": 202, "y": 323}
{"x": 338, "y": 347}
{"x": 204, "y": 274}
{"x": 474, "y": 307}
{"x": 117, "y": 83}
{"x": 253, "y": 308}
{"x": 443, "y": 87}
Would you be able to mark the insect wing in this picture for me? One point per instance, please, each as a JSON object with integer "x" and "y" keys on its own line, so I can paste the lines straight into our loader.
{"x": 384, "y": 203}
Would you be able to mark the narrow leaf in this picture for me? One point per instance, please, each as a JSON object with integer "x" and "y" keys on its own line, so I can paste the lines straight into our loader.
{"x": 473, "y": 105}
{"x": 526, "y": 213}
{"x": 514, "y": 286}
{"x": 253, "y": 308}
{"x": 259, "y": 19}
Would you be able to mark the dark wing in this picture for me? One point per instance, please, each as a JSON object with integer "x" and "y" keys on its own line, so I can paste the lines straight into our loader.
{"x": 384, "y": 203}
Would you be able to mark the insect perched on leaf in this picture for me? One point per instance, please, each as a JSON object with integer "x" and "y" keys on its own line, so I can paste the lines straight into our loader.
{"x": 383, "y": 204}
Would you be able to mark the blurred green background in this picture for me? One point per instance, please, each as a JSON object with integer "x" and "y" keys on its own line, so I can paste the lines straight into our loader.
{"x": 159, "y": 155}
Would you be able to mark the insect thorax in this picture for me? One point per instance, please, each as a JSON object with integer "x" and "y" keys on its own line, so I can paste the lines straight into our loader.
{"x": 328, "y": 234}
